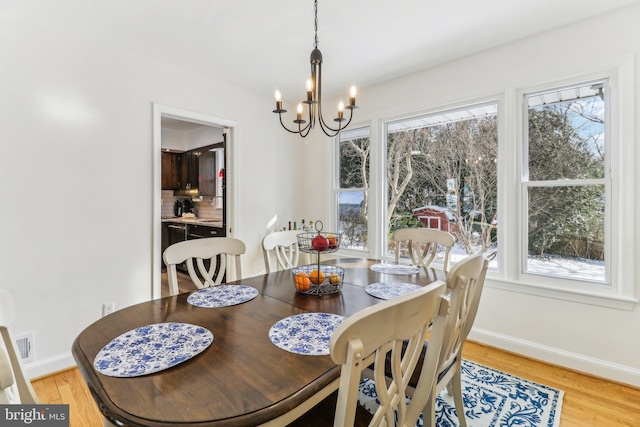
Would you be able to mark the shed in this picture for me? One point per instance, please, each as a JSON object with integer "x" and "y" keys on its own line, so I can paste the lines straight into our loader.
{"x": 436, "y": 217}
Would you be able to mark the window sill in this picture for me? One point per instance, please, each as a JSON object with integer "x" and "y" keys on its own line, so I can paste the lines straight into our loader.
{"x": 618, "y": 302}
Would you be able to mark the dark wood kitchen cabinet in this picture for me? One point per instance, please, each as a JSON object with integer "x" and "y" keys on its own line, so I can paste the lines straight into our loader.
{"x": 171, "y": 167}
{"x": 189, "y": 172}
{"x": 197, "y": 173}
{"x": 207, "y": 173}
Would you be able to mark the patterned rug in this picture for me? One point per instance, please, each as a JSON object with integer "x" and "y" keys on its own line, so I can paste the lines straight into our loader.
{"x": 491, "y": 398}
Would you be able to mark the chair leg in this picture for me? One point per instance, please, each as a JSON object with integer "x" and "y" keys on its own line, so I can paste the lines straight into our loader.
{"x": 429, "y": 412}
{"x": 455, "y": 388}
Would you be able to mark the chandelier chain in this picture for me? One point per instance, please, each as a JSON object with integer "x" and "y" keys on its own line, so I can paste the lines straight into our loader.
{"x": 315, "y": 4}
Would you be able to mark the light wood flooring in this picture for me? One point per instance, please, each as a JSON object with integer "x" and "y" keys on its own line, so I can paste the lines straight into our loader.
{"x": 184, "y": 283}
{"x": 588, "y": 401}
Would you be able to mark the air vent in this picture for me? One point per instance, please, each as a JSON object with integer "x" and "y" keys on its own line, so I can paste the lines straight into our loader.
{"x": 25, "y": 345}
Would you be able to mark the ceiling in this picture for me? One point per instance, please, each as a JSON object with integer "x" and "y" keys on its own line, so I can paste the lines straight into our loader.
{"x": 265, "y": 44}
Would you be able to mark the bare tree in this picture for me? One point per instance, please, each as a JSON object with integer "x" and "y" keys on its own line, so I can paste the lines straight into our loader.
{"x": 423, "y": 163}
{"x": 399, "y": 171}
{"x": 354, "y": 154}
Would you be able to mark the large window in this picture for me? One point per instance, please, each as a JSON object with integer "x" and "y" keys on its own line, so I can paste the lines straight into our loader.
{"x": 353, "y": 188}
{"x": 544, "y": 176}
{"x": 566, "y": 183}
{"x": 441, "y": 173}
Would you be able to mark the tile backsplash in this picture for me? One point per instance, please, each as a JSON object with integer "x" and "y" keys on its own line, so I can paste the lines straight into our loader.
{"x": 201, "y": 209}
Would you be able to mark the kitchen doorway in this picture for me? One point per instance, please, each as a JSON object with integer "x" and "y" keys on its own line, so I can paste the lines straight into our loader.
{"x": 174, "y": 119}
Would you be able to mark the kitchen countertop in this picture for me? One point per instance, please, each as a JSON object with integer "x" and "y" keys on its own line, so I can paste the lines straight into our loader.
{"x": 209, "y": 222}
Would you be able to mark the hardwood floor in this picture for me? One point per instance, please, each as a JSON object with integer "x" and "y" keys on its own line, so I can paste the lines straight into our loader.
{"x": 69, "y": 387}
{"x": 588, "y": 401}
{"x": 184, "y": 283}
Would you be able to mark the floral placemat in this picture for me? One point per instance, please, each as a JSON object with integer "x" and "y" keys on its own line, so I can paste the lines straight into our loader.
{"x": 388, "y": 268}
{"x": 384, "y": 290}
{"x": 151, "y": 348}
{"x": 307, "y": 333}
{"x": 222, "y": 296}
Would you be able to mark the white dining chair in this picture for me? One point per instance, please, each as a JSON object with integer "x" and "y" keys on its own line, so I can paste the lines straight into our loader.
{"x": 284, "y": 245}
{"x": 422, "y": 245}
{"x": 15, "y": 387}
{"x": 380, "y": 330}
{"x": 218, "y": 251}
{"x": 465, "y": 282}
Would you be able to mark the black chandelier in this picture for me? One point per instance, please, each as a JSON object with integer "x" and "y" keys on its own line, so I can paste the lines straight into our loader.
{"x": 314, "y": 98}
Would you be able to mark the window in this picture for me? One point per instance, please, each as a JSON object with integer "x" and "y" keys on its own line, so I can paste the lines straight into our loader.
{"x": 441, "y": 172}
{"x": 545, "y": 173}
{"x": 353, "y": 188}
{"x": 566, "y": 182}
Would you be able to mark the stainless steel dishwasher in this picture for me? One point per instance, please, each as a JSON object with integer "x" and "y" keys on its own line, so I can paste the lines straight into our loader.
{"x": 177, "y": 233}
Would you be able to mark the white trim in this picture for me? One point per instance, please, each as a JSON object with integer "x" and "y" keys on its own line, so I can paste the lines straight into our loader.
{"x": 565, "y": 359}
{"x": 160, "y": 111}
{"x": 44, "y": 367}
{"x": 468, "y": 103}
{"x": 619, "y": 180}
{"x": 573, "y": 294}
{"x": 337, "y": 190}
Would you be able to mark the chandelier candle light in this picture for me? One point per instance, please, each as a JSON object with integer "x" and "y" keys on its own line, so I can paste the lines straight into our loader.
{"x": 314, "y": 98}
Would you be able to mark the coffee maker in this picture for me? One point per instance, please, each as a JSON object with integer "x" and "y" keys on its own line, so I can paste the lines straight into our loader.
{"x": 182, "y": 206}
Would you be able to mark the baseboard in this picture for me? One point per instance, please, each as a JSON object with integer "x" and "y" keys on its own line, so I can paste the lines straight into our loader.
{"x": 44, "y": 367}
{"x": 578, "y": 362}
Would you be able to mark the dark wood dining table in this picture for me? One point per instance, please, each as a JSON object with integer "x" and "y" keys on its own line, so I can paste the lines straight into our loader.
{"x": 242, "y": 378}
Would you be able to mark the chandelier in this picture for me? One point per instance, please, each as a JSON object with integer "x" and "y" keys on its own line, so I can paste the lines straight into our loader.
{"x": 314, "y": 99}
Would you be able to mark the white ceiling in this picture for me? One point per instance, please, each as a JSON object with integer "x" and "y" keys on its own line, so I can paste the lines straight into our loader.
{"x": 265, "y": 44}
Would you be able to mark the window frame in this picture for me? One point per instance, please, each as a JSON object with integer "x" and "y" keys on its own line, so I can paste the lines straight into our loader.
{"x": 453, "y": 108}
{"x": 337, "y": 190}
{"x": 622, "y": 160}
{"x": 526, "y": 184}
{"x": 617, "y": 291}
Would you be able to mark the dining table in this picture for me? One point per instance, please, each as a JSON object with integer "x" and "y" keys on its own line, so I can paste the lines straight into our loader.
{"x": 241, "y": 378}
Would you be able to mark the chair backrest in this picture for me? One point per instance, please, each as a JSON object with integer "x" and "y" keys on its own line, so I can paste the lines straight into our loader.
{"x": 214, "y": 249}
{"x": 465, "y": 282}
{"x": 14, "y": 386}
{"x": 474, "y": 300}
{"x": 422, "y": 244}
{"x": 369, "y": 335}
{"x": 285, "y": 246}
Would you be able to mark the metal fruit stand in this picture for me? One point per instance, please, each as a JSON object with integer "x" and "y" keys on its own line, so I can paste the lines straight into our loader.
{"x": 318, "y": 279}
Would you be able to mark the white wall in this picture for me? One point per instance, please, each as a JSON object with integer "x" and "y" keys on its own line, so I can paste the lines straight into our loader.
{"x": 76, "y": 174}
{"x": 591, "y": 338}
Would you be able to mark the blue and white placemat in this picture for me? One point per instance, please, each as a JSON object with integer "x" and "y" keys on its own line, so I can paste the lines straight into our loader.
{"x": 222, "y": 296}
{"x": 387, "y": 268}
{"x": 384, "y": 290}
{"x": 151, "y": 348}
{"x": 307, "y": 333}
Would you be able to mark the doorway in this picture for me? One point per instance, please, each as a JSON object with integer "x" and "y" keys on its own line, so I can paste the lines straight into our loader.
{"x": 173, "y": 117}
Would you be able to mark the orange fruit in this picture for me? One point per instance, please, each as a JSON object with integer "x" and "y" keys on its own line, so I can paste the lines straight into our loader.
{"x": 334, "y": 279}
{"x": 302, "y": 281}
{"x": 316, "y": 277}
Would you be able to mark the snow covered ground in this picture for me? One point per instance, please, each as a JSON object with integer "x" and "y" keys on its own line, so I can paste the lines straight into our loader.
{"x": 571, "y": 268}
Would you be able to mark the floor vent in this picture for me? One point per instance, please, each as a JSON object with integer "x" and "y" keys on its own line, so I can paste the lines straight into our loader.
{"x": 25, "y": 345}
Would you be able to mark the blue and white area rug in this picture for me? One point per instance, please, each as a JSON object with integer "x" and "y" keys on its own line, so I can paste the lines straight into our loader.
{"x": 491, "y": 399}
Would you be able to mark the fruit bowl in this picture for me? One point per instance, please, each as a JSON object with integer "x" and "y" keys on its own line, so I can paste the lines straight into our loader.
{"x": 319, "y": 242}
{"x": 318, "y": 280}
